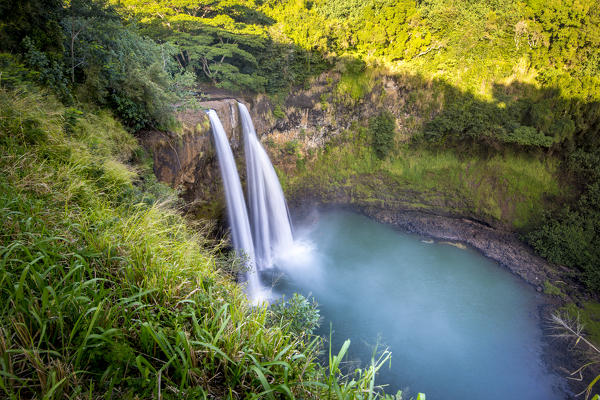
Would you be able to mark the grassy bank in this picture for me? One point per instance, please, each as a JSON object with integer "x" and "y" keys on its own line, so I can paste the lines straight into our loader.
{"x": 509, "y": 189}
{"x": 107, "y": 292}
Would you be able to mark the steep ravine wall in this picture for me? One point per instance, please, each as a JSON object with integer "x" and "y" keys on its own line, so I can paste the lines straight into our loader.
{"x": 312, "y": 118}
{"x": 186, "y": 160}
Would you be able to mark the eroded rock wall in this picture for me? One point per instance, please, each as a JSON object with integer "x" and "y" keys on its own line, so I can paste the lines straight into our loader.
{"x": 186, "y": 160}
{"x": 308, "y": 118}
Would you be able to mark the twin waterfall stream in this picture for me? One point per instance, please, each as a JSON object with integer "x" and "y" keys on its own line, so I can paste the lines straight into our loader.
{"x": 258, "y": 237}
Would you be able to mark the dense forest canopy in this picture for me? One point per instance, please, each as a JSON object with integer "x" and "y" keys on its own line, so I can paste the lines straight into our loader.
{"x": 535, "y": 62}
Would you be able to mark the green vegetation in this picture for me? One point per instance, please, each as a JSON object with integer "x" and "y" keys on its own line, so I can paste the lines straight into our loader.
{"x": 471, "y": 44}
{"x": 589, "y": 316}
{"x": 509, "y": 188}
{"x": 474, "y": 121}
{"x": 382, "y": 129}
{"x": 552, "y": 290}
{"x": 107, "y": 291}
{"x": 571, "y": 237}
{"x": 291, "y": 147}
{"x": 95, "y": 58}
{"x": 355, "y": 82}
{"x": 299, "y": 313}
{"x": 228, "y": 43}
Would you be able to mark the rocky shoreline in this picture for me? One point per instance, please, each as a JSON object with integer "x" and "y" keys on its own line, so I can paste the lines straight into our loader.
{"x": 499, "y": 245}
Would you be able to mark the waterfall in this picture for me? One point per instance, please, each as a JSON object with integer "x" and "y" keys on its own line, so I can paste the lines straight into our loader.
{"x": 236, "y": 206}
{"x": 271, "y": 227}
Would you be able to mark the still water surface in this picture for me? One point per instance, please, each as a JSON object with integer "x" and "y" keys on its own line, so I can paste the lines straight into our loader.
{"x": 459, "y": 326}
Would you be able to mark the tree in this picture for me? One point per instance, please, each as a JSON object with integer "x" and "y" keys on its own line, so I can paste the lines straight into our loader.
{"x": 221, "y": 40}
{"x": 382, "y": 128}
{"x": 79, "y": 15}
{"x": 36, "y": 19}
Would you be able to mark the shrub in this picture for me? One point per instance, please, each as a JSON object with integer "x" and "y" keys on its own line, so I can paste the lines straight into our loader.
{"x": 572, "y": 237}
{"x": 298, "y": 314}
{"x": 13, "y": 73}
{"x": 49, "y": 71}
{"x": 382, "y": 129}
{"x": 292, "y": 147}
{"x": 278, "y": 112}
{"x": 470, "y": 120}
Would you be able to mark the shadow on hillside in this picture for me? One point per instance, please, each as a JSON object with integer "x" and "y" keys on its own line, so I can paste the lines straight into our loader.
{"x": 517, "y": 116}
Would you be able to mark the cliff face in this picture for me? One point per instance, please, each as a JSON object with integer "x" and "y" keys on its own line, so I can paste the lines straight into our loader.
{"x": 316, "y": 116}
{"x": 310, "y": 119}
{"x": 186, "y": 160}
{"x": 303, "y": 123}
{"x": 295, "y": 130}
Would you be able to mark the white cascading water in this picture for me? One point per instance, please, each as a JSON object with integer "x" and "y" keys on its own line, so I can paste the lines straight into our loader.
{"x": 271, "y": 227}
{"x": 236, "y": 206}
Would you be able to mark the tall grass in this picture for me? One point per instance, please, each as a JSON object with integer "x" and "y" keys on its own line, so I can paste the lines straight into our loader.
{"x": 106, "y": 291}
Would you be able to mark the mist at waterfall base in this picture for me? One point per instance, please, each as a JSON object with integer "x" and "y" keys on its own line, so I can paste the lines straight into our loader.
{"x": 459, "y": 326}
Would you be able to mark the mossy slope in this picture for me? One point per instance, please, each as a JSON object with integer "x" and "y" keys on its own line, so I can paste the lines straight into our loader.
{"x": 507, "y": 190}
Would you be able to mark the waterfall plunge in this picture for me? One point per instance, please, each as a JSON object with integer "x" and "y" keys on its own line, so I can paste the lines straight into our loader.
{"x": 236, "y": 206}
{"x": 271, "y": 227}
